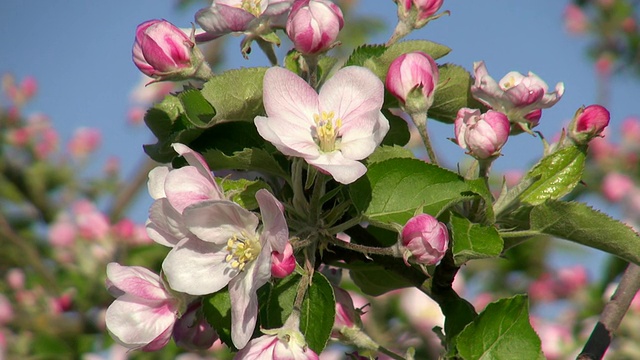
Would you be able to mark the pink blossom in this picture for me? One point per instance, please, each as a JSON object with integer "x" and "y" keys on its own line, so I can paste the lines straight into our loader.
{"x": 482, "y": 135}
{"x": 313, "y": 25}
{"x": 331, "y": 130}
{"x": 16, "y": 278}
{"x": 421, "y": 311}
{"x": 425, "y": 238}
{"x": 63, "y": 232}
{"x": 630, "y": 130}
{"x": 346, "y": 314}
{"x": 164, "y": 52}
{"x": 143, "y": 315}
{"x": 283, "y": 264}
{"x": 588, "y": 123}
{"x": 575, "y": 20}
{"x": 228, "y": 250}
{"x": 556, "y": 339}
{"x": 279, "y": 344}
{"x": 84, "y": 142}
{"x": 6, "y": 310}
{"x": 424, "y": 8}
{"x": 92, "y": 223}
{"x": 515, "y": 95}
{"x": 412, "y": 78}
{"x": 616, "y": 186}
{"x": 176, "y": 189}
{"x": 192, "y": 331}
{"x": 241, "y": 16}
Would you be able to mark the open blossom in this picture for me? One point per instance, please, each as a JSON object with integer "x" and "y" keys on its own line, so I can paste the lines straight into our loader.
{"x": 482, "y": 135}
{"x": 164, "y": 52}
{"x": 143, "y": 315}
{"x": 286, "y": 343}
{"x": 412, "y": 78}
{"x": 425, "y": 238}
{"x": 331, "y": 130}
{"x": 228, "y": 250}
{"x": 241, "y": 16}
{"x": 174, "y": 190}
{"x": 313, "y": 25}
{"x": 515, "y": 95}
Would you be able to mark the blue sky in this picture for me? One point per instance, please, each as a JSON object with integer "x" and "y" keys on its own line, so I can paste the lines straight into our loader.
{"x": 80, "y": 53}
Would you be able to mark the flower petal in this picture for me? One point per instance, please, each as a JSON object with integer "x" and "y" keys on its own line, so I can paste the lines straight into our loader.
{"x": 275, "y": 229}
{"x": 197, "y": 267}
{"x": 136, "y": 281}
{"x": 216, "y": 221}
{"x": 288, "y": 97}
{"x": 290, "y": 136}
{"x": 165, "y": 225}
{"x": 196, "y": 160}
{"x": 343, "y": 170}
{"x": 155, "y": 185}
{"x": 186, "y": 186}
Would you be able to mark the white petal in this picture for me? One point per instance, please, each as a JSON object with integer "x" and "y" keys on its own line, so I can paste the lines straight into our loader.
{"x": 197, "y": 267}
{"x": 137, "y": 281}
{"x": 156, "y": 181}
{"x": 288, "y": 97}
{"x": 343, "y": 170}
{"x": 275, "y": 229}
{"x": 216, "y": 221}
{"x": 165, "y": 225}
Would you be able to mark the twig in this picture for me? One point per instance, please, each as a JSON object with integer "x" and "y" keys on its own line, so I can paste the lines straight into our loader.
{"x": 612, "y": 315}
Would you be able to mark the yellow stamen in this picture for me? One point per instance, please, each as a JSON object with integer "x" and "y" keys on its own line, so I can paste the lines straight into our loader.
{"x": 242, "y": 249}
{"x": 326, "y": 130}
{"x": 251, "y": 6}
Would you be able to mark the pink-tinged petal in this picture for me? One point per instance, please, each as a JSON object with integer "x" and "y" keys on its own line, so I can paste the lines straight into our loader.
{"x": 187, "y": 186}
{"x": 288, "y": 97}
{"x": 165, "y": 225}
{"x": 381, "y": 129}
{"x": 156, "y": 181}
{"x": 353, "y": 93}
{"x": 244, "y": 300}
{"x": 136, "y": 281}
{"x": 485, "y": 88}
{"x": 160, "y": 341}
{"x": 344, "y": 171}
{"x": 359, "y": 143}
{"x": 219, "y": 19}
{"x": 275, "y": 229}
{"x": 259, "y": 348}
{"x": 196, "y": 160}
{"x": 197, "y": 267}
{"x": 216, "y": 221}
{"x": 135, "y": 323}
{"x": 292, "y": 138}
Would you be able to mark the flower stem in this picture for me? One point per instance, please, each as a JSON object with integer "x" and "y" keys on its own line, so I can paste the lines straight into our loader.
{"x": 388, "y": 251}
{"x": 312, "y": 70}
{"x": 389, "y": 353}
{"x": 267, "y": 48}
{"x": 401, "y": 30}
{"x": 420, "y": 120}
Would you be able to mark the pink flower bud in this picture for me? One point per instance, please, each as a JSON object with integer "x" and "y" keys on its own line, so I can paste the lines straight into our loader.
{"x": 346, "y": 315}
{"x": 412, "y": 78}
{"x": 84, "y": 142}
{"x": 16, "y": 278}
{"x": 588, "y": 123}
{"x": 164, "y": 52}
{"x": 313, "y": 25}
{"x": 192, "y": 331}
{"x": 283, "y": 264}
{"x": 615, "y": 186}
{"x": 425, "y": 238}
{"x": 482, "y": 135}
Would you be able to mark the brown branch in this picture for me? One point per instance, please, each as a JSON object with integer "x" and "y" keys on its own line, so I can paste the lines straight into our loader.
{"x": 612, "y": 315}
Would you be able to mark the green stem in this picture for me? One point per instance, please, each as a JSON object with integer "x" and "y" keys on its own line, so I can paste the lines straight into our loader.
{"x": 268, "y": 50}
{"x": 401, "y": 30}
{"x": 299, "y": 201}
{"x": 390, "y": 353}
{"x": 345, "y": 225}
{"x": 312, "y": 69}
{"x": 387, "y": 251}
{"x": 420, "y": 120}
{"x": 314, "y": 203}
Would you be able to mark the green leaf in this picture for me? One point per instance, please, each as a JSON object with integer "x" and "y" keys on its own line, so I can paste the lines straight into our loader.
{"x": 473, "y": 241}
{"x": 243, "y": 191}
{"x": 374, "y": 279}
{"x": 399, "y": 133}
{"x": 247, "y": 159}
{"x": 582, "y": 224}
{"x": 392, "y": 190}
{"x": 362, "y": 53}
{"x": 558, "y": 174}
{"x": 383, "y": 153}
{"x": 198, "y": 111}
{"x": 317, "y": 312}
{"x": 452, "y": 93}
{"x": 236, "y": 94}
{"x": 217, "y": 310}
{"x": 501, "y": 331}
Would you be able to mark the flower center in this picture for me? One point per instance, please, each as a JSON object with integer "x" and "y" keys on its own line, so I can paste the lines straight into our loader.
{"x": 251, "y": 6}
{"x": 242, "y": 249}
{"x": 326, "y": 130}
{"x": 511, "y": 82}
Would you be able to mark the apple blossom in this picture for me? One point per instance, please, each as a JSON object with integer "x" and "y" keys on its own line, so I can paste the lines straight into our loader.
{"x": 84, "y": 142}
{"x": 192, "y": 331}
{"x": 425, "y": 239}
{"x": 285, "y": 343}
{"x": 588, "y": 123}
{"x": 412, "y": 78}
{"x": 174, "y": 190}
{"x": 423, "y": 8}
{"x": 331, "y": 130}
{"x": 283, "y": 264}
{"x": 144, "y": 313}
{"x": 164, "y": 52}
{"x": 228, "y": 250}
{"x": 482, "y": 135}
{"x": 515, "y": 95}
{"x": 313, "y": 25}
{"x": 575, "y": 20}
